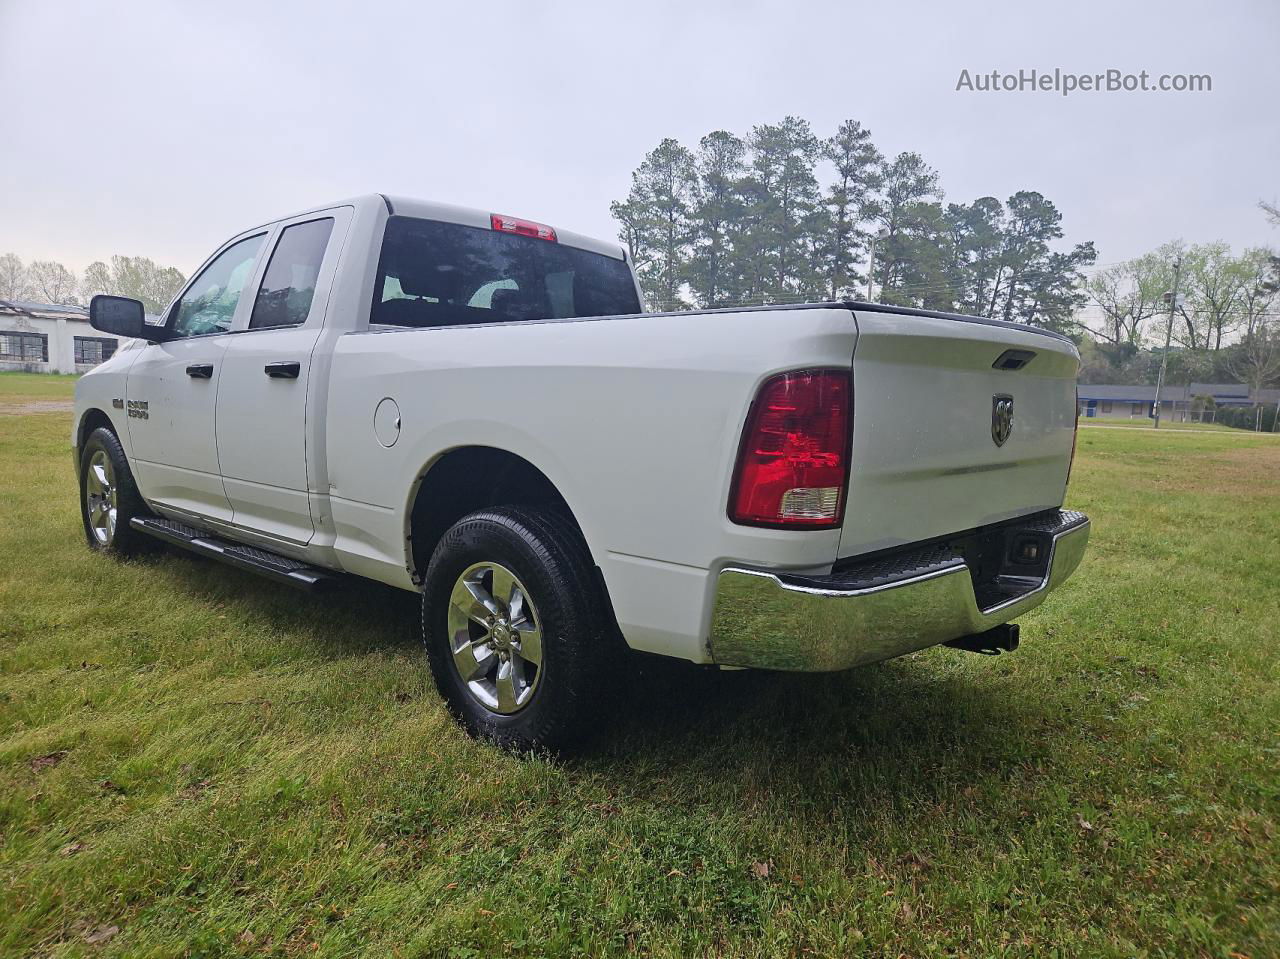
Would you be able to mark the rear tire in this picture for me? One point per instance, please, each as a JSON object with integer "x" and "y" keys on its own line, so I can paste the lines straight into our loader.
{"x": 515, "y": 629}
{"x": 109, "y": 497}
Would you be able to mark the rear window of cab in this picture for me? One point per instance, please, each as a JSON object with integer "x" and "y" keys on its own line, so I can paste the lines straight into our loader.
{"x": 444, "y": 274}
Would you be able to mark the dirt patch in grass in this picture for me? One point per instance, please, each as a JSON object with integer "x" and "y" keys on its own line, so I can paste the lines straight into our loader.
{"x": 1248, "y": 471}
{"x": 1266, "y": 458}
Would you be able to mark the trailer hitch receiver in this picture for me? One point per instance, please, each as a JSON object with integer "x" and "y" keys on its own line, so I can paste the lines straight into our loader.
{"x": 1002, "y": 638}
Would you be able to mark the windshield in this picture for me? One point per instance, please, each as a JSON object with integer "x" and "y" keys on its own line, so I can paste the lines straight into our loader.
{"x": 440, "y": 274}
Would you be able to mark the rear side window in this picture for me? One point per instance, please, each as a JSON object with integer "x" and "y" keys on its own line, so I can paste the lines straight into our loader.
{"x": 289, "y": 286}
{"x": 440, "y": 274}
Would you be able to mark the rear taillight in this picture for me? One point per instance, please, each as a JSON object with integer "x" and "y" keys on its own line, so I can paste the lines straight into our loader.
{"x": 793, "y": 465}
{"x": 509, "y": 224}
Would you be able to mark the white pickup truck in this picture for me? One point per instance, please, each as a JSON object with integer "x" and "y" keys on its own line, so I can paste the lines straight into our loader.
{"x": 474, "y": 406}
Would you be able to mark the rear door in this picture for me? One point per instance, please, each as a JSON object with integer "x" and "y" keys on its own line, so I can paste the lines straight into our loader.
{"x": 172, "y": 389}
{"x": 263, "y": 401}
{"x": 956, "y": 425}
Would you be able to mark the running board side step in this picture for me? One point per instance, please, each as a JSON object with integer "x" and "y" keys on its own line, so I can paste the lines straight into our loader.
{"x": 263, "y": 562}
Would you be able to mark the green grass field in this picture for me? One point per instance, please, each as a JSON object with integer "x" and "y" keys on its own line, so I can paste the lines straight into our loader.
{"x": 36, "y": 386}
{"x": 194, "y": 762}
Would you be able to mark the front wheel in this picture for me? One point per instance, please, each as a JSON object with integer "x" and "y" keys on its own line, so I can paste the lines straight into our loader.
{"x": 515, "y": 628}
{"x": 109, "y": 498}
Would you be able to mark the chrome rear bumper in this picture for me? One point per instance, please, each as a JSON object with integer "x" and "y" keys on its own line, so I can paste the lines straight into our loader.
{"x": 891, "y": 606}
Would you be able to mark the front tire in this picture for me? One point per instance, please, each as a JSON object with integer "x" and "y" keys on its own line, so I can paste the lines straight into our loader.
{"x": 515, "y": 629}
{"x": 109, "y": 498}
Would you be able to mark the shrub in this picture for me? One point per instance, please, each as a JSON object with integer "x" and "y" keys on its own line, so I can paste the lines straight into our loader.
{"x": 1246, "y": 417}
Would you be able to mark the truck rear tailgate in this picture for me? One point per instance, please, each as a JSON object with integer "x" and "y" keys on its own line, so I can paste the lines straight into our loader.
{"x": 929, "y": 458}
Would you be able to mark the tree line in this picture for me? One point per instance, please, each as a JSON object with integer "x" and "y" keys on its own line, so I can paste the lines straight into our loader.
{"x": 1220, "y": 296}
{"x": 784, "y": 215}
{"x": 47, "y": 281}
{"x": 1223, "y": 327}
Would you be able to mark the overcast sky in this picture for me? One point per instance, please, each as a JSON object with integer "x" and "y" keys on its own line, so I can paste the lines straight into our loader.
{"x": 160, "y": 128}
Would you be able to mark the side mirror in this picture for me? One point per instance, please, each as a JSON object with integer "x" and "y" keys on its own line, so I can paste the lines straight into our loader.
{"x": 119, "y": 315}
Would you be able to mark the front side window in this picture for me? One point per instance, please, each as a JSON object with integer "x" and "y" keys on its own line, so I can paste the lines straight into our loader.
{"x": 289, "y": 286}
{"x": 209, "y": 304}
{"x": 441, "y": 274}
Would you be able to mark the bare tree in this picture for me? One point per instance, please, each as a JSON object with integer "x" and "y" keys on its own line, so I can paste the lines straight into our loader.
{"x": 1257, "y": 361}
{"x": 134, "y": 276}
{"x": 97, "y": 279}
{"x": 1261, "y": 293}
{"x": 14, "y": 282}
{"x": 52, "y": 282}
{"x": 1128, "y": 295}
{"x": 1214, "y": 282}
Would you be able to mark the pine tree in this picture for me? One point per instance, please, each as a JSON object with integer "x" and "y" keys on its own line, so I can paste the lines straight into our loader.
{"x": 784, "y": 214}
{"x": 907, "y": 181}
{"x": 746, "y": 221}
{"x": 857, "y": 163}
{"x": 656, "y": 222}
{"x": 977, "y": 231}
{"x": 717, "y": 218}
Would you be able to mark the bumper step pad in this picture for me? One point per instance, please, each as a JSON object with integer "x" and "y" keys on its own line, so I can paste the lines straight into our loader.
{"x": 880, "y": 572}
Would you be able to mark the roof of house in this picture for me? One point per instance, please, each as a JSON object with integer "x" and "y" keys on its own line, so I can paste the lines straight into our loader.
{"x": 1220, "y": 389}
{"x": 1090, "y": 391}
{"x": 1221, "y": 392}
{"x": 54, "y": 311}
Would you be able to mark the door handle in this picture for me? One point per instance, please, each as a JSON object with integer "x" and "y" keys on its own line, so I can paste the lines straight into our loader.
{"x": 200, "y": 371}
{"x": 283, "y": 371}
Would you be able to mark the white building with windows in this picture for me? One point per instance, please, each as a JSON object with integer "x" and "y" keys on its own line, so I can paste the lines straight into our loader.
{"x": 1177, "y": 403}
{"x": 48, "y": 338}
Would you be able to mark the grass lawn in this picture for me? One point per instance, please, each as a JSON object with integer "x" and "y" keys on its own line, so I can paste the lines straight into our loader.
{"x": 194, "y": 762}
{"x": 36, "y": 386}
{"x": 1165, "y": 424}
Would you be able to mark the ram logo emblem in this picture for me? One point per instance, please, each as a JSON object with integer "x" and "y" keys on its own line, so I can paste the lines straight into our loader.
{"x": 1001, "y": 417}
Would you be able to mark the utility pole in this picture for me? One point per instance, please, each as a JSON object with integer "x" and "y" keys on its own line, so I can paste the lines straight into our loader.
{"x": 1172, "y": 299}
{"x": 871, "y": 267}
{"x": 880, "y": 234}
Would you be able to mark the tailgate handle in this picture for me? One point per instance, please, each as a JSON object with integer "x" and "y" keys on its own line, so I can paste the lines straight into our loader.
{"x": 1013, "y": 359}
{"x": 284, "y": 371}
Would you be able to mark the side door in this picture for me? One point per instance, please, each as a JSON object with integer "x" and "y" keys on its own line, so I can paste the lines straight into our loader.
{"x": 263, "y": 402}
{"x": 172, "y": 390}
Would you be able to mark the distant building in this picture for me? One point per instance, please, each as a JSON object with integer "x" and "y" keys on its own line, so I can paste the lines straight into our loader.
{"x": 48, "y": 338}
{"x": 1176, "y": 402}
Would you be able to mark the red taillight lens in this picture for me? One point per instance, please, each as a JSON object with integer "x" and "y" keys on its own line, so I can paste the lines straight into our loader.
{"x": 793, "y": 465}
{"x": 509, "y": 224}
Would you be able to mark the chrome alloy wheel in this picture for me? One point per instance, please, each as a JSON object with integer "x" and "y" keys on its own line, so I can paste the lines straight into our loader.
{"x": 100, "y": 498}
{"x": 495, "y": 637}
